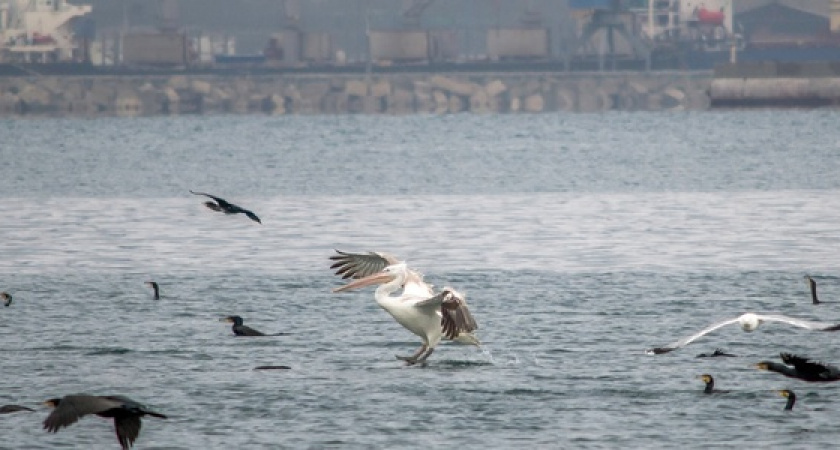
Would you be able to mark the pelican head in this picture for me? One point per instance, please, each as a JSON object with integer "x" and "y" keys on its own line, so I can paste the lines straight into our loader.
{"x": 393, "y": 272}
{"x": 749, "y": 322}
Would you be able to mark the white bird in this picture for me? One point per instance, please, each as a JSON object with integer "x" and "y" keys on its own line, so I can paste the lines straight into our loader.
{"x": 748, "y": 322}
{"x": 360, "y": 265}
{"x": 430, "y": 316}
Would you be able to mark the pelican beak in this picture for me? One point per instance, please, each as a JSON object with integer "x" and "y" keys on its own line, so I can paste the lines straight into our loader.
{"x": 377, "y": 278}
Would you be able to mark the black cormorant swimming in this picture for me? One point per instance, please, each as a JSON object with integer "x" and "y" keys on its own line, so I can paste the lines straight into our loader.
{"x": 718, "y": 352}
{"x": 224, "y": 206}
{"x": 710, "y": 385}
{"x": 125, "y": 412}
{"x": 813, "y": 286}
{"x": 154, "y": 285}
{"x": 7, "y": 298}
{"x": 272, "y": 368}
{"x": 8, "y": 409}
{"x": 790, "y": 396}
{"x": 803, "y": 368}
{"x": 243, "y": 330}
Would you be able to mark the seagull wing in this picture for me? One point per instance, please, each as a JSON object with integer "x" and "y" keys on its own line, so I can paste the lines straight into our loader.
{"x": 360, "y": 265}
{"x": 811, "y": 325}
{"x": 685, "y": 341}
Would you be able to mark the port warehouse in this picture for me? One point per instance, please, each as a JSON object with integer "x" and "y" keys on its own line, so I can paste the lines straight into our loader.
{"x": 348, "y": 32}
{"x": 317, "y": 31}
{"x": 458, "y": 36}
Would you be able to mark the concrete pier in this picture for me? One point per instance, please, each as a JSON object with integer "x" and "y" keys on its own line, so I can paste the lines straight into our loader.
{"x": 438, "y": 93}
{"x": 776, "y": 84}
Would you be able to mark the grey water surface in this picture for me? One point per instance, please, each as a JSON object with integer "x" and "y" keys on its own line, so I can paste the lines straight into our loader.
{"x": 580, "y": 240}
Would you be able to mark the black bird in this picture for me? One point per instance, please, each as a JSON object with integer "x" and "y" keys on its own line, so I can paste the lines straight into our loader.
{"x": 272, "y": 368}
{"x": 790, "y": 396}
{"x": 7, "y": 298}
{"x": 715, "y": 354}
{"x": 813, "y": 286}
{"x": 8, "y": 409}
{"x": 243, "y": 330}
{"x": 154, "y": 286}
{"x": 803, "y": 368}
{"x": 710, "y": 385}
{"x": 125, "y": 412}
{"x": 224, "y": 206}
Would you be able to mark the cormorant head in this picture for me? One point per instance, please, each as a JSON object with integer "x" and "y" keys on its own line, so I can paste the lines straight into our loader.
{"x": 53, "y": 402}
{"x": 764, "y": 365}
{"x": 7, "y": 298}
{"x": 706, "y": 378}
{"x": 236, "y": 320}
{"x": 785, "y": 392}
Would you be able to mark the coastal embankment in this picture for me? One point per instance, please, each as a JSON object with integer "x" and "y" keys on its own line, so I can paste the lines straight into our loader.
{"x": 776, "y": 84}
{"x": 394, "y": 93}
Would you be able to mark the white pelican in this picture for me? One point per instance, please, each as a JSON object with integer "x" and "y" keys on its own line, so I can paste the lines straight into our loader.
{"x": 429, "y": 316}
{"x": 748, "y": 322}
{"x": 360, "y": 265}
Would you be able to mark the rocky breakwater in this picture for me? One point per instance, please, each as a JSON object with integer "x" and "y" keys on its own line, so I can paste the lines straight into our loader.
{"x": 357, "y": 93}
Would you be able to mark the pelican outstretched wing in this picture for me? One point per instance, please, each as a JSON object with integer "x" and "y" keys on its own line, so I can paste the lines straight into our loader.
{"x": 687, "y": 340}
{"x": 360, "y": 265}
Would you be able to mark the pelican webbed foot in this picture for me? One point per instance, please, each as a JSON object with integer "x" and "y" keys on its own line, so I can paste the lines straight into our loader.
{"x": 413, "y": 359}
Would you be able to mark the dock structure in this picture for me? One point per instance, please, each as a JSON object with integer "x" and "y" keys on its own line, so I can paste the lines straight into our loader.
{"x": 776, "y": 84}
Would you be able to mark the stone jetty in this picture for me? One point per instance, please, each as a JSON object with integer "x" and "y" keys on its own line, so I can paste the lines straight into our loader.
{"x": 776, "y": 84}
{"x": 393, "y": 93}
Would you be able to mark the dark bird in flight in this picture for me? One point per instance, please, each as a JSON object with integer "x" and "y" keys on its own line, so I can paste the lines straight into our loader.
{"x": 7, "y": 298}
{"x": 803, "y": 368}
{"x": 125, "y": 412}
{"x": 154, "y": 285}
{"x": 718, "y": 352}
{"x": 222, "y": 205}
{"x": 8, "y": 409}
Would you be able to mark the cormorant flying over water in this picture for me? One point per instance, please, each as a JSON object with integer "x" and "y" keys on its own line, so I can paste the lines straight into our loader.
{"x": 125, "y": 412}
{"x": 803, "y": 368}
{"x": 224, "y": 206}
